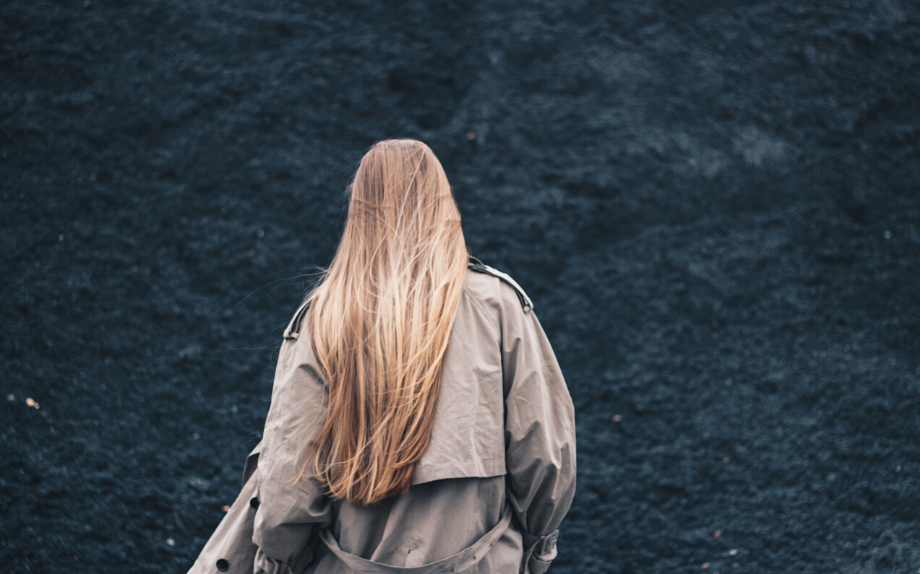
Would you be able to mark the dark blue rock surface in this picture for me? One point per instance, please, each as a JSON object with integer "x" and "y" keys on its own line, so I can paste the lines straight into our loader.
{"x": 713, "y": 205}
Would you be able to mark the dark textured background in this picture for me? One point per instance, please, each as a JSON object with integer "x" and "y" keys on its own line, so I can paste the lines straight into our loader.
{"x": 715, "y": 209}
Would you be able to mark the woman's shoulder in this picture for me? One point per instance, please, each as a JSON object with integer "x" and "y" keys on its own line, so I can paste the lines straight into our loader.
{"x": 494, "y": 287}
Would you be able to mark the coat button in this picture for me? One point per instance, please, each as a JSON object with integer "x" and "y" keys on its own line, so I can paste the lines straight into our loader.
{"x": 254, "y": 502}
{"x": 223, "y": 565}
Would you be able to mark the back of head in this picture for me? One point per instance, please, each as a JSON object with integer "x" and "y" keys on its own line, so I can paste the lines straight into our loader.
{"x": 380, "y": 320}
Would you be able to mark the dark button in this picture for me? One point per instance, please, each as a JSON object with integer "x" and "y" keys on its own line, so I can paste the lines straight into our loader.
{"x": 254, "y": 502}
{"x": 223, "y": 565}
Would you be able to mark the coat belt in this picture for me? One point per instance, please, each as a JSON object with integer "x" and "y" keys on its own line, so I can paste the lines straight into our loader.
{"x": 463, "y": 561}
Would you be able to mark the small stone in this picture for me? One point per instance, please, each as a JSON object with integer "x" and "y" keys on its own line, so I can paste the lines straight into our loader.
{"x": 617, "y": 418}
{"x": 196, "y": 436}
{"x": 732, "y": 552}
{"x": 11, "y": 397}
{"x": 61, "y": 237}
{"x": 31, "y": 403}
{"x": 717, "y": 533}
{"x": 170, "y": 542}
{"x": 225, "y": 508}
{"x": 705, "y": 565}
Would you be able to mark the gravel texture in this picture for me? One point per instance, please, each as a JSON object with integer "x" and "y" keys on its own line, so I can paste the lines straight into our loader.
{"x": 713, "y": 205}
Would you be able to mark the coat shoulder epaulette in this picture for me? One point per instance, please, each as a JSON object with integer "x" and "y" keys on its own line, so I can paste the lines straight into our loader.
{"x": 480, "y": 267}
{"x": 293, "y": 328}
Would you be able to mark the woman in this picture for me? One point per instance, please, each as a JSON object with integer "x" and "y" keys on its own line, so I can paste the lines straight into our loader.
{"x": 419, "y": 421}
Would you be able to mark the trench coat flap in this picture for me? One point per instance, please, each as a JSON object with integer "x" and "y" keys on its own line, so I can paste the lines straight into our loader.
{"x": 230, "y": 548}
{"x": 468, "y": 429}
{"x": 467, "y": 435}
{"x": 468, "y": 432}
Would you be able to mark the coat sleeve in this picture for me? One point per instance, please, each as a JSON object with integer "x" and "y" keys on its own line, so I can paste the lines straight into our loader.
{"x": 539, "y": 433}
{"x": 289, "y": 513}
{"x": 230, "y": 547}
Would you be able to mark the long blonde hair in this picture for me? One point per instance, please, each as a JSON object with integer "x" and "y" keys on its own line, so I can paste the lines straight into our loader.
{"x": 379, "y": 322}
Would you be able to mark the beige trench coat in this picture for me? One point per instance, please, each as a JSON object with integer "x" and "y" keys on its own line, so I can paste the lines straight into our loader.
{"x": 486, "y": 497}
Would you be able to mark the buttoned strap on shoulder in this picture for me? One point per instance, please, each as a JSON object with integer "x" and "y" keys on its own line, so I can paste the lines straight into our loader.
{"x": 480, "y": 267}
{"x": 293, "y": 328}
